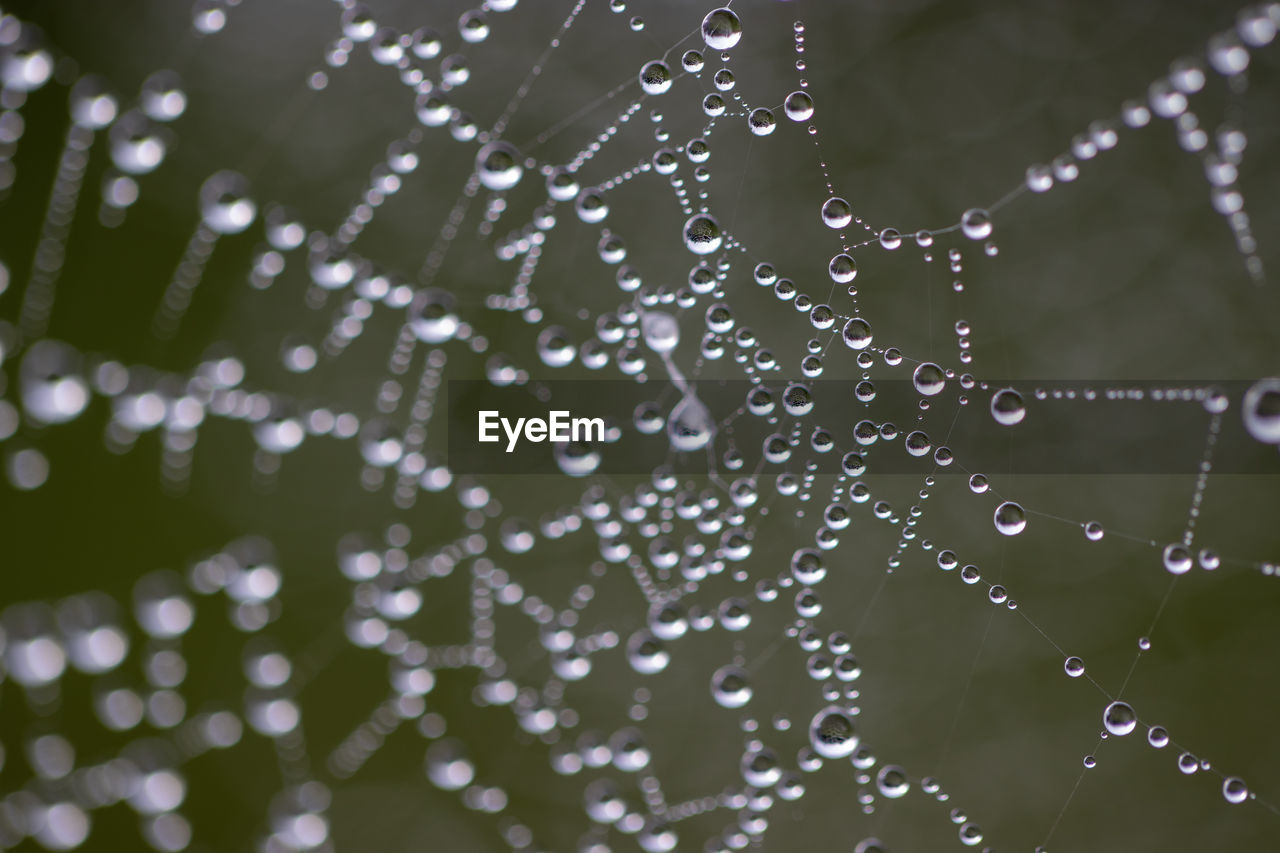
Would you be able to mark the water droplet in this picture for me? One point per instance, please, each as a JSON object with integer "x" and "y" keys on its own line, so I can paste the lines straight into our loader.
{"x": 562, "y": 185}
{"x": 842, "y": 269}
{"x": 976, "y": 224}
{"x": 554, "y": 347}
{"x": 731, "y": 687}
{"x": 1010, "y": 518}
{"x": 797, "y": 400}
{"x": 721, "y": 29}
{"x": 499, "y": 165}
{"x": 702, "y": 234}
{"x": 832, "y": 733}
{"x": 53, "y": 389}
{"x": 1234, "y": 790}
{"x": 761, "y": 122}
{"x": 690, "y": 426}
{"x": 1007, "y": 407}
{"x": 655, "y": 77}
{"x": 1177, "y": 559}
{"x": 892, "y": 781}
{"x": 970, "y": 834}
{"x": 1119, "y": 718}
{"x": 929, "y": 379}
{"x": 225, "y": 205}
{"x": 760, "y": 767}
{"x": 836, "y": 213}
{"x": 431, "y": 316}
{"x": 807, "y": 566}
{"x": 798, "y": 106}
{"x": 660, "y": 330}
{"x": 448, "y": 766}
{"x": 1261, "y": 410}
{"x": 646, "y": 654}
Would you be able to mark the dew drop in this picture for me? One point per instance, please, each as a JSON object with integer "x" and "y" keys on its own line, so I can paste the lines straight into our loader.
{"x": 1119, "y": 718}
{"x": 702, "y": 234}
{"x": 225, "y": 205}
{"x": 690, "y": 426}
{"x": 836, "y": 213}
{"x": 892, "y": 781}
{"x": 721, "y": 29}
{"x": 731, "y": 687}
{"x": 929, "y": 379}
{"x": 762, "y": 122}
{"x": 1177, "y": 559}
{"x": 1234, "y": 790}
{"x": 1010, "y": 518}
{"x": 842, "y": 269}
{"x": 431, "y": 316}
{"x": 499, "y": 165}
{"x": 798, "y": 106}
{"x": 655, "y": 77}
{"x": 1261, "y": 410}
{"x": 832, "y": 733}
{"x": 1007, "y": 407}
{"x": 976, "y": 224}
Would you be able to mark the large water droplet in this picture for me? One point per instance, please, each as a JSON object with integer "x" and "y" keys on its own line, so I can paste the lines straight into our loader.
{"x": 832, "y": 733}
{"x": 1177, "y": 559}
{"x": 661, "y": 331}
{"x": 731, "y": 687}
{"x": 499, "y": 165}
{"x": 761, "y": 122}
{"x": 836, "y": 213}
{"x": 646, "y": 654}
{"x": 842, "y": 269}
{"x": 976, "y": 224}
{"x": 1261, "y": 410}
{"x": 1007, "y": 407}
{"x": 929, "y": 379}
{"x": 1234, "y": 790}
{"x": 431, "y": 316}
{"x": 892, "y": 781}
{"x": 1119, "y": 718}
{"x": 857, "y": 333}
{"x": 1010, "y": 518}
{"x": 690, "y": 426}
{"x": 448, "y": 766}
{"x": 702, "y": 234}
{"x": 225, "y": 205}
{"x": 53, "y": 389}
{"x": 798, "y": 106}
{"x": 554, "y": 347}
{"x": 655, "y": 77}
{"x": 721, "y": 29}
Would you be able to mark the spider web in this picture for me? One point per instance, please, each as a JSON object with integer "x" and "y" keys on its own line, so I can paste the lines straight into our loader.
{"x": 938, "y": 333}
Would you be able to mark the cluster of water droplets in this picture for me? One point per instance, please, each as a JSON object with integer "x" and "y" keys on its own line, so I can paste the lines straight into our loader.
{"x": 680, "y": 542}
